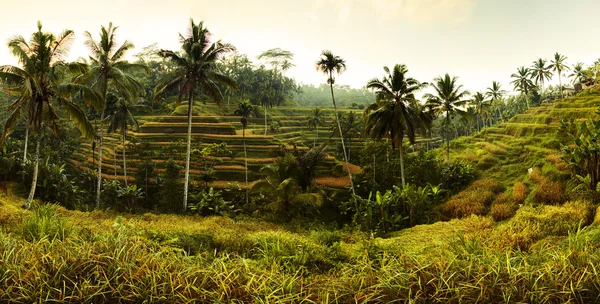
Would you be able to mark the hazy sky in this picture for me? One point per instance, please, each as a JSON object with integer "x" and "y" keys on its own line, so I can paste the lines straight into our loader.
{"x": 477, "y": 40}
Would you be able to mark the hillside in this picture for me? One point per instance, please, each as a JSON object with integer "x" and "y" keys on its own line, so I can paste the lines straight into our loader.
{"x": 542, "y": 254}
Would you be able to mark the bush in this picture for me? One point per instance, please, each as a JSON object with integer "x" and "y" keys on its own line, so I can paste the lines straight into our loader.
{"x": 45, "y": 223}
{"x": 457, "y": 174}
{"x": 530, "y": 225}
{"x": 549, "y": 193}
{"x": 502, "y": 208}
{"x": 519, "y": 192}
{"x": 476, "y": 199}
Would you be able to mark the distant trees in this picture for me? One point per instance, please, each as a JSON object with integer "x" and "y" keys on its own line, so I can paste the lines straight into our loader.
{"x": 315, "y": 120}
{"x": 558, "y": 65}
{"x": 523, "y": 83}
{"x": 195, "y": 69}
{"x": 41, "y": 84}
{"x": 481, "y": 108}
{"x": 540, "y": 72}
{"x": 496, "y": 93}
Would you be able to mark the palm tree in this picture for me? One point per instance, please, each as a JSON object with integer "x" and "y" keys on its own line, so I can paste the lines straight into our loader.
{"x": 540, "y": 72}
{"x": 41, "y": 80}
{"x": 120, "y": 119}
{"x": 109, "y": 69}
{"x": 195, "y": 67}
{"x": 558, "y": 65}
{"x": 394, "y": 113}
{"x": 522, "y": 82}
{"x": 448, "y": 99}
{"x": 495, "y": 93}
{"x": 316, "y": 119}
{"x": 245, "y": 109}
{"x": 351, "y": 128}
{"x": 481, "y": 107}
{"x": 328, "y": 64}
{"x": 578, "y": 73}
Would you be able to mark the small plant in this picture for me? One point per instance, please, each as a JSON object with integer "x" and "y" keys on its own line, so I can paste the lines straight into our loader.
{"x": 45, "y": 223}
{"x": 211, "y": 202}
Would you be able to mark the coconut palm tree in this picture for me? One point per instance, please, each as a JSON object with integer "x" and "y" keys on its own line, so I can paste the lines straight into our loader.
{"x": 558, "y": 65}
{"x": 578, "y": 74}
{"x": 329, "y": 64}
{"x": 522, "y": 82}
{"x": 119, "y": 119}
{"x": 245, "y": 109}
{"x": 540, "y": 72}
{"x": 351, "y": 128}
{"x": 40, "y": 82}
{"x": 495, "y": 92}
{"x": 108, "y": 68}
{"x": 394, "y": 114}
{"x": 481, "y": 107}
{"x": 316, "y": 119}
{"x": 448, "y": 99}
{"x": 195, "y": 68}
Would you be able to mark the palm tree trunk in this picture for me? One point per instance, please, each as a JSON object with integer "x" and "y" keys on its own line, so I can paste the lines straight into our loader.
{"x": 99, "y": 180}
{"x": 189, "y": 150}
{"x": 447, "y": 137}
{"x": 317, "y": 136}
{"x": 560, "y": 86}
{"x": 35, "y": 173}
{"x": 124, "y": 159}
{"x": 337, "y": 119}
{"x": 402, "y": 165}
{"x": 26, "y": 142}
{"x": 245, "y": 160}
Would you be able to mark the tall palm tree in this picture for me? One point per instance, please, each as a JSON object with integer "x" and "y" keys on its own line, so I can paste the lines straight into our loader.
{"x": 522, "y": 82}
{"x": 110, "y": 69}
{"x": 495, "y": 92}
{"x": 195, "y": 68}
{"x": 558, "y": 65}
{"x": 40, "y": 84}
{"x": 316, "y": 119}
{"x": 120, "y": 119}
{"x": 540, "y": 72}
{"x": 481, "y": 107}
{"x": 394, "y": 113}
{"x": 449, "y": 98}
{"x": 245, "y": 109}
{"x": 578, "y": 74}
{"x": 329, "y": 64}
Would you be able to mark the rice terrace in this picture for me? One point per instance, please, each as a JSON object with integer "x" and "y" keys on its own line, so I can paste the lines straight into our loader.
{"x": 319, "y": 151}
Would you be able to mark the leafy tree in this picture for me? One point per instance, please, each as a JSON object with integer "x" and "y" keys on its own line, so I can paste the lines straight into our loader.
{"x": 245, "y": 109}
{"x": 328, "y": 64}
{"x": 581, "y": 152}
{"x": 558, "y": 65}
{"x": 195, "y": 67}
{"x": 121, "y": 118}
{"x": 40, "y": 84}
{"x": 522, "y": 82}
{"x": 394, "y": 115}
{"x": 109, "y": 69}
{"x": 540, "y": 72}
{"x": 316, "y": 119}
{"x": 448, "y": 99}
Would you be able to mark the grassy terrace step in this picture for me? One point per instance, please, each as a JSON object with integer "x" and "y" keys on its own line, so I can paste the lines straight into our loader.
{"x": 182, "y": 119}
{"x": 205, "y": 128}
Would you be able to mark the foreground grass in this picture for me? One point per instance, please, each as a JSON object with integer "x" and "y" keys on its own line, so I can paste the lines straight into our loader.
{"x": 539, "y": 256}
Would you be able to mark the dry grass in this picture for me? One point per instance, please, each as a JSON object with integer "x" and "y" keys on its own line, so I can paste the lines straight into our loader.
{"x": 476, "y": 199}
{"x": 519, "y": 192}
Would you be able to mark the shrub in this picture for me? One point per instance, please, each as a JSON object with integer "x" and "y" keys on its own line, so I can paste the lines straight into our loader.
{"x": 45, "y": 223}
{"x": 474, "y": 200}
{"x": 519, "y": 192}
{"x": 549, "y": 192}
{"x": 502, "y": 208}
{"x": 530, "y": 225}
{"x": 457, "y": 174}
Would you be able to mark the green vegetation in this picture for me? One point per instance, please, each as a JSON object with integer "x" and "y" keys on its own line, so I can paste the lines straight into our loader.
{"x": 274, "y": 210}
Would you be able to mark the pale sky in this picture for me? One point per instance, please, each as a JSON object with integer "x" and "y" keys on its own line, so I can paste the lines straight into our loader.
{"x": 477, "y": 40}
